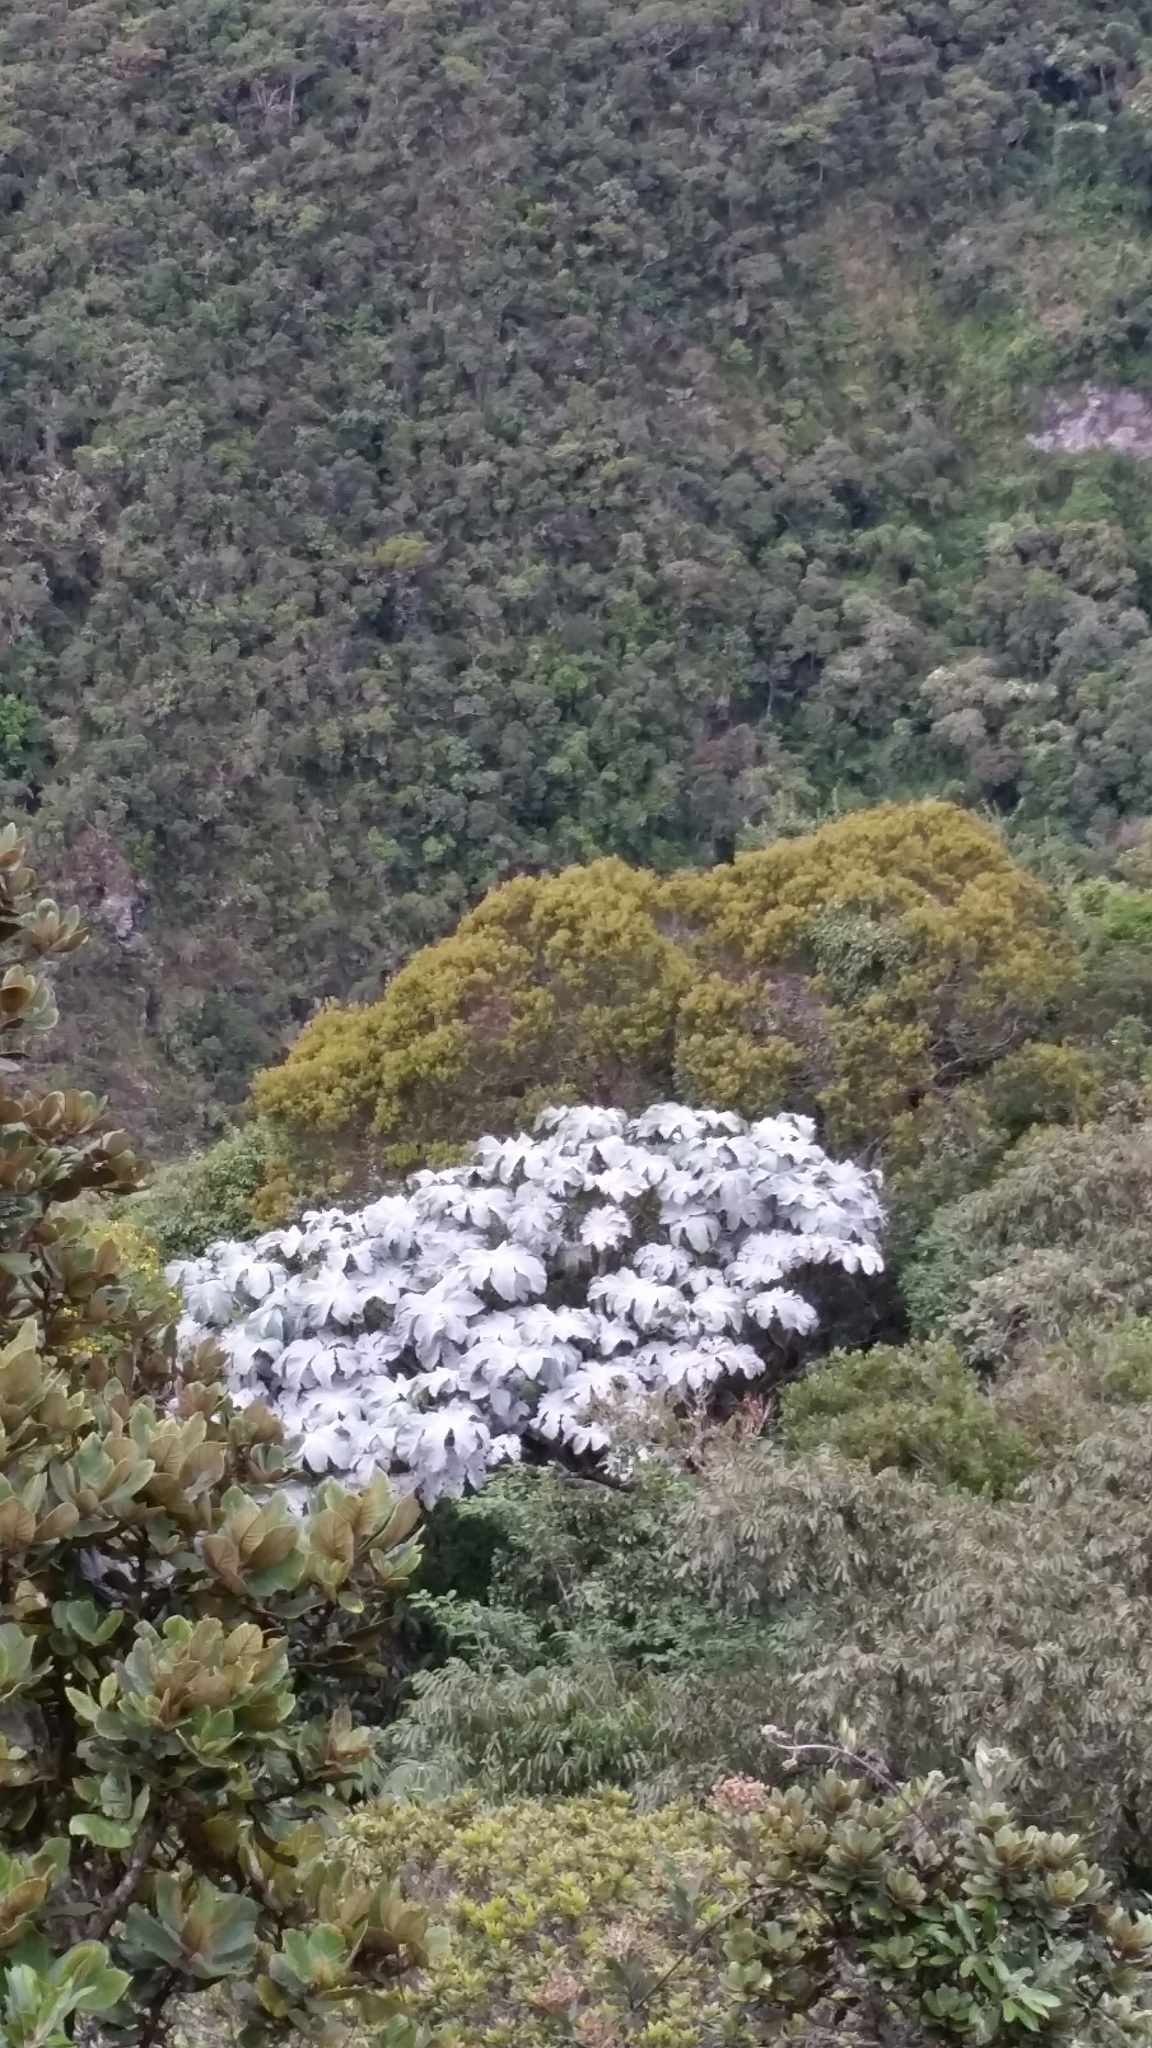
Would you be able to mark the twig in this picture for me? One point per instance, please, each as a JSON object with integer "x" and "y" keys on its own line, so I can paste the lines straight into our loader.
{"x": 742, "y": 1904}
{"x": 155, "y": 2011}
{"x": 831, "y": 1752}
{"x": 125, "y": 1891}
{"x": 868, "y": 1766}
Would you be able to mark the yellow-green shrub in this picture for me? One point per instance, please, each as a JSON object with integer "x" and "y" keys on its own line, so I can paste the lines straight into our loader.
{"x": 800, "y": 1914}
{"x": 893, "y": 952}
{"x": 856, "y": 973}
{"x": 553, "y": 988}
{"x": 545, "y": 1901}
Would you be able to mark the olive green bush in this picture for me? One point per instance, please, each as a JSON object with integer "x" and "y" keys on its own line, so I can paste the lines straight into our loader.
{"x": 555, "y": 1614}
{"x": 167, "y": 1814}
{"x": 539, "y": 1729}
{"x": 1088, "y": 1383}
{"x": 932, "y": 1618}
{"x": 579, "y": 1568}
{"x": 881, "y": 1912}
{"x": 914, "y": 1407}
{"x": 1061, "y": 1233}
{"x": 192, "y": 1202}
{"x": 1113, "y": 919}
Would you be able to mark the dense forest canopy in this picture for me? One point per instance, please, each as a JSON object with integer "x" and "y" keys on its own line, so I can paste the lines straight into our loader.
{"x": 442, "y": 442}
{"x": 584, "y": 572}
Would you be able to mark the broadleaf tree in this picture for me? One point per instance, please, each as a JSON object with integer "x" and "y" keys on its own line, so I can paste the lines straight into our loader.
{"x": 510, "y": 1300}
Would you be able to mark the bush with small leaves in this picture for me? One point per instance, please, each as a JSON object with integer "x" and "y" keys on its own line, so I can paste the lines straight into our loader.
{"x": 168, "y": 1816}
{"x": 846, "y": 1906}
{"x": 1061, "y": 1233}
{"x": 930, "y": 1617}
{"x": 553, "y": 1906}
{"x": 192, "y": 1202}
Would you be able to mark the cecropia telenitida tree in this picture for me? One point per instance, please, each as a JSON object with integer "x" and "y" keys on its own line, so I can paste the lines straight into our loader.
{"x": 602, "y": 1257}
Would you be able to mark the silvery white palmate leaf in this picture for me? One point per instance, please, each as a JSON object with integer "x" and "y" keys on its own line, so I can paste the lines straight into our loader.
{"x": 509, "y": 1270}
{"x": 605, "y": 1227}
{"x": 590, "y": 1262}
{"x": 643, "y": 1302}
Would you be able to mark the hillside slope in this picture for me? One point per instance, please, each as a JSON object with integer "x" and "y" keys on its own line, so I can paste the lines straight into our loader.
{"x": 441, "y": 440}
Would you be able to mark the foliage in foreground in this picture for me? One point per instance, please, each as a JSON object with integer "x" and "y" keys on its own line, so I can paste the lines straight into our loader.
{"x": 891, "y": 1914}
{"x": 936, "y": 1558}
{"x": 489, "y": 1309}
{"x": 168, "y": 1814}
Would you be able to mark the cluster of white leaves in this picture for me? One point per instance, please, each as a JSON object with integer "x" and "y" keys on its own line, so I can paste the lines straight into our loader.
{"x": 600, "y": 1258}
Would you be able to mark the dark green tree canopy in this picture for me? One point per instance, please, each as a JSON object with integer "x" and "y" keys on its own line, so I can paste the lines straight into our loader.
{"x": 373, "y": 531}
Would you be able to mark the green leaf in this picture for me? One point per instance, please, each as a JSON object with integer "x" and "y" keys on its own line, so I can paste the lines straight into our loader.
{"x": 96, "y": 1827}
{"x": 81, "y": 1704}
{"x": 83, "y": 1619}
{"x": 1014, "y": 2013}
{"x": 963, "y": 1919}
{"x": 1037, "y": 2000}
{"x": 145, "y": 1940}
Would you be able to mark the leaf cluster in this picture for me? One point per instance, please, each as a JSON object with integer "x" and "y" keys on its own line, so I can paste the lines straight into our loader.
{"x": 489, "y": 1310}
{"x": 912, "y": 1912}
{"x": 168, "y": 1813}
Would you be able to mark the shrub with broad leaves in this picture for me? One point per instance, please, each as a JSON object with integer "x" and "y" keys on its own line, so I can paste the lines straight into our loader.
{"x": 509, "y": 1301}
{"x": 168, "y": 1817}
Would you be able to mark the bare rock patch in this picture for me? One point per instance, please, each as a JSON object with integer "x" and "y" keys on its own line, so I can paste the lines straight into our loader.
{"x": 1097, "y": 416}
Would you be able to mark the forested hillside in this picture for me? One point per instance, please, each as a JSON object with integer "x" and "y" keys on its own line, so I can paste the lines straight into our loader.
{"x": 441, "y": 442}
{"x": 576, "y": 621}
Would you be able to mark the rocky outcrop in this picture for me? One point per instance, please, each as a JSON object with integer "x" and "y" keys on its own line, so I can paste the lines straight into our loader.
{"x": 1097, "y": 416}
